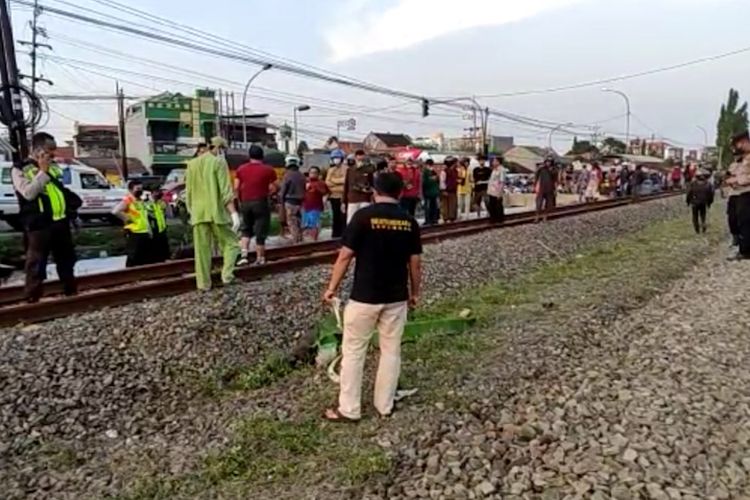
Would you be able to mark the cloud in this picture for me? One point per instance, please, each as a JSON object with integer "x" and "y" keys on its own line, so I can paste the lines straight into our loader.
{"x": 367, "y": 27}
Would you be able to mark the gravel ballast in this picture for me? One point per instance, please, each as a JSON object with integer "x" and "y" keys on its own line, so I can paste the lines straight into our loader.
{"x": 87, "y": 386}
{"x": 585, "y": 403}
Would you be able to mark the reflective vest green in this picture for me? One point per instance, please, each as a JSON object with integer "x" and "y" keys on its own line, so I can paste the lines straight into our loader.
{"x": 157, "y": 210}
{"x": 137, "y": 216}
{"x": 53, "y": 193}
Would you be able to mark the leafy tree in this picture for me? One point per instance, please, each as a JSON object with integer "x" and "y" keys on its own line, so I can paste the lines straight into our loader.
{"x": 582, "y": 147}
{"x": 732, "y": 121}
{"x": 614, "y": 146}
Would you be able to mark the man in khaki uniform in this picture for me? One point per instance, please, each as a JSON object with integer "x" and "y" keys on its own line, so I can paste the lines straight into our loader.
{"x": 210, "y": 202}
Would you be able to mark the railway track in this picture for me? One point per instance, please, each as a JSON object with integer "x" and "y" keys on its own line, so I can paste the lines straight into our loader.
{"x": 175, "y": 277}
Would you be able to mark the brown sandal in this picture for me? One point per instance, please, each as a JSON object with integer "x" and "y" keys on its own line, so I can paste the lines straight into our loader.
{"x": 334, "y": 415}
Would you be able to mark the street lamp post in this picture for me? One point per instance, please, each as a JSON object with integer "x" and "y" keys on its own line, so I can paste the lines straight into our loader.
{"x": 705, "y": 135}
{"x": 705, "y": 142}
{"x": 551, "y": 132}
{"x": 627, "y": 105}
{"x": 297, "y": 109}
{"x": 265, "y": 67}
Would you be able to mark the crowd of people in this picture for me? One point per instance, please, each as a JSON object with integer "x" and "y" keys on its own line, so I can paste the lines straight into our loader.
{"x": 221, "y": 207}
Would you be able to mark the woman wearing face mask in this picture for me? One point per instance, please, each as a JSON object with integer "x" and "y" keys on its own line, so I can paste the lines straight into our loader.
{"x": 335, "y": 180}
{"x": 133, "y": 211}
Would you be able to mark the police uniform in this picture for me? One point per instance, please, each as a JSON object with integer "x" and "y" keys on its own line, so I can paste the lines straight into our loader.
{"x": 137, "y": 231}
{"x": 158, "y": 222}
{"x": 740, "y": 172}
{"x": 44, "y": 215}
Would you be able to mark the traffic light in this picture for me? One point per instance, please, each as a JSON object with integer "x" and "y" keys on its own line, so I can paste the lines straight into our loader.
{"x": 425, "y": 108}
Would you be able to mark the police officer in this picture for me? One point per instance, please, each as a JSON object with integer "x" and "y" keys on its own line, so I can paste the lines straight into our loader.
{"x": 46, "y": 209}
{"x": 739, "y": 182}
{"x": 157, "y": 218}
{"x": 133, "y": 211}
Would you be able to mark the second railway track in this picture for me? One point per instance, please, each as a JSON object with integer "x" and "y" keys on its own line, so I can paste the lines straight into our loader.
{"x": 175, "y": 277}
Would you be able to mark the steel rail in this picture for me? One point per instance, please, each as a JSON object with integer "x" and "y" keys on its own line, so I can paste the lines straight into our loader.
{"x": 174, "y": 268}
{"x": 156, "y": 282}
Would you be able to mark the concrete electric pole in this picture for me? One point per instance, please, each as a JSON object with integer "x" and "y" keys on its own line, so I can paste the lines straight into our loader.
{"x": 36, "y": 31}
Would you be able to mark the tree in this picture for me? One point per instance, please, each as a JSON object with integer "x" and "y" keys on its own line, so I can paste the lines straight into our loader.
{"x": 614, "y": 146}
{"x": 732, "y": 121}
{"x": 302, "y": 148}
{"x": 582, "y": 147}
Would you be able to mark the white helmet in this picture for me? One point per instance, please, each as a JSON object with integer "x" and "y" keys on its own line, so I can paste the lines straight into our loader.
{"x": 291, "y": 160}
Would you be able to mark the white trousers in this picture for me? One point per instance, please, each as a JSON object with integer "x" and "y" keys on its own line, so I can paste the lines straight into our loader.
{"x": 351, "y": 209}
{"x": 360, "y": 322}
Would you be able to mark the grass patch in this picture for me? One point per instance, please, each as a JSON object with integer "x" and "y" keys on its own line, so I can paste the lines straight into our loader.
{"x": 266, "y": 456}
{"x": 265, "y": 450}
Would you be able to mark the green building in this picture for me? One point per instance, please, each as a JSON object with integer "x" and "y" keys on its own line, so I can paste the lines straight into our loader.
{"x": 163, "y": 131}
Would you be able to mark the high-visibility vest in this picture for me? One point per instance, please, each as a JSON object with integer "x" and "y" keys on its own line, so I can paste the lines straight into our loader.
{"x": 157, "y": 210}
{"x": 137, "y": 216}
{"x": 53, "y": 193}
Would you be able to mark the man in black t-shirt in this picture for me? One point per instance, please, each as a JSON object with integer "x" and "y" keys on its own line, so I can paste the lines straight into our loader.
{"x": 480, "y": 176}
{"x": 545, "y": 185}
{"x": 387, "y": 246}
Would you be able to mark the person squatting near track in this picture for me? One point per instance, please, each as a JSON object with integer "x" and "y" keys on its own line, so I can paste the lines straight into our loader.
{"x": 386, "y": 243}
{"x": 312, "y": 205}
{"x": 213, "y": 215}
{"x": 335, "y": 180}
{"x": 358, "y": 185}
{"x": 47, "y": 209}
{"x": 254, "y": 183}
{"x": 739, "y": 181}
{"x": 700, "y": 197}
{"x": 292, "y": 193}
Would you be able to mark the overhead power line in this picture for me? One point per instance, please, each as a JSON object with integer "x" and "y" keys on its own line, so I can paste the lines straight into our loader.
{"x": 249, "y": 59}
{"x": 604, "y": 81}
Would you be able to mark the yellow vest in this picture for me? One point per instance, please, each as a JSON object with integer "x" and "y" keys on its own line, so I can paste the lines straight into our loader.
{"x": 137, "y": 216}
{"x": 157, "y": 209}
{"x": 51, "y": 191}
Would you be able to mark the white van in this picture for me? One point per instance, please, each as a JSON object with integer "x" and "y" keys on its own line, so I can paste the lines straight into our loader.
{"x": 98, "y": 195}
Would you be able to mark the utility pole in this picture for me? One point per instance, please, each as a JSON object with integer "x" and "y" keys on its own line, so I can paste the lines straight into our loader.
{"x": 11, "y": 107}
{"x": 35, "y": 45}
{"x": 474, "y": 129}
{"x": 121, "y": 131}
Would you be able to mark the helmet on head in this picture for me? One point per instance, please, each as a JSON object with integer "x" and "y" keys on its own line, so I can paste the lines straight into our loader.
{"x": 337, "y": 153}
{"x": 291, "y": 160}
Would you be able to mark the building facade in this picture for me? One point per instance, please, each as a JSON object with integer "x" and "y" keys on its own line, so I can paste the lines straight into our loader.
{"x": 162, "y": 132}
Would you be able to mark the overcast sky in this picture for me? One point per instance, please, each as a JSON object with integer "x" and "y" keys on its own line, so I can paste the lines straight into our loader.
{"x": 426, "y": 47}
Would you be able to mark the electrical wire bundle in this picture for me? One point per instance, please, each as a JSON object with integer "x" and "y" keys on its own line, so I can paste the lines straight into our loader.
{"x": 38, "y": 112}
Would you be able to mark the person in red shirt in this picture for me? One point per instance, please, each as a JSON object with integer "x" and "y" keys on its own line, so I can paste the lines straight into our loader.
{"x": 254, "y": 183}
{"x": 412, "y": 177}
{"x": 313, "y": 204}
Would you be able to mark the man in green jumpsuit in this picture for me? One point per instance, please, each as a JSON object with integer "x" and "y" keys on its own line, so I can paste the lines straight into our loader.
{"x": 210, "y": 202}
